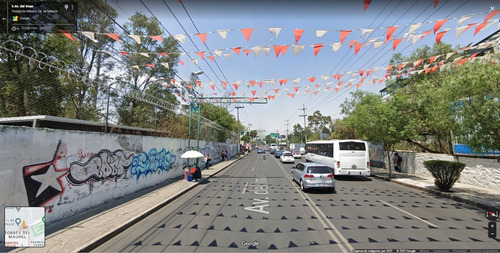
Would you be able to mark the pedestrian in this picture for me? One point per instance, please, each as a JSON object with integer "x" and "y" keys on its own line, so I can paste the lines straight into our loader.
{"x": 196, "y": 173}
{"x": 222, "y": 154}
{"x": 226, "y": 154}
{"x": 397, "y": 162}
{"x": 207, "y": 161}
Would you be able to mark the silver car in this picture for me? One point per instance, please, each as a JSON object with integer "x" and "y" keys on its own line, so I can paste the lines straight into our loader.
{"x": 313, "y": 175}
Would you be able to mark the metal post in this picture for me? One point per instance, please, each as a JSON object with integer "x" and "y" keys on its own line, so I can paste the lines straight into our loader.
{"x": 189, "y": 132}
{"x": 304, "y": 115}
{"x": 107, "y": 111}
{"x": 239, "y": 132}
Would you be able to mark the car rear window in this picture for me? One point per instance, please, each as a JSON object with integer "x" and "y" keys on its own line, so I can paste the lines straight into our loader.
{"x": 288, "y": 154}
{"x": 351, "y": 145}
{"x": 319, "y": 170}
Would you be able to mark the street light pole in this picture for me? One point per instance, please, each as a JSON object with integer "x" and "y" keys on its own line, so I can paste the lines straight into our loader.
{"x": 239, "y": 132}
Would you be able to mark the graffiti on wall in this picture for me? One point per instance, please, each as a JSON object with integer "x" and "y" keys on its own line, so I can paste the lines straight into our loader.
{"x": 44, "y": 181}
{"x": 152, "y": 162}
{"x": 99, "y": 167}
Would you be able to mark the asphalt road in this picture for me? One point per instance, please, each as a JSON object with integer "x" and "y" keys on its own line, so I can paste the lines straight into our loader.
{"x": 254, "y": 205}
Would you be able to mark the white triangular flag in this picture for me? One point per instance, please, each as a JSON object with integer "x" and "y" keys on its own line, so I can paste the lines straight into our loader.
{"x": 416, "y": 38}
{"x": 460, "y": 30}
{"x": 227, "y": 55}
{"x": 448, "y": 55}
{"x": 420, "y": 71}
{"x": 377, "y": 44}
{"x": 243, "y": 93}
{"x": 286, "y": 89}
{"x": 275, "y": 31}
{"x": 297, "y": 49}
{"x": 137, "y": 38}
{"x": 266, "y": 49}
{"x": 218, "y": 52}
{"x": 414, "y": 27}
{"x": 256, "y": 50}
{"x": 195, "y": 61}
{"x": 265, "y": 91}
{"x": 320, "y": 33}
{"x": 410, "y": 36}
{"x": 248, "y": 85}
{"x": 165, "y": 64}
{"x": 107, "y": 52}
{"x": 144, "y": 54}
{"x": 489, "y": 24}
{"x": 372, "y": 40}
{"x": 182, "y": 54}
{"x": 463, "y": 19}
{"x": 336, "y": 46}
{"x": 426, "y": 66}
{"x": 180, "y": 37}
{"x": 90, "y": 35}
{"x": 273, "y": 81}
{"x": 367, "y": 31}
{"x": 325, "y": 77}
{"x": 296, "y": 80}
{"x": 222, "y": 33}
{"x": 136, "y": 67}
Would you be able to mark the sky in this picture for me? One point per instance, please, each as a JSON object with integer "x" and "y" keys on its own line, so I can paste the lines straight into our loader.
{"x": 208, "y": 16}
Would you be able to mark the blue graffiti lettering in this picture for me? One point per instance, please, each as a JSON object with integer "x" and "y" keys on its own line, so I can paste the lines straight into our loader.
{"x": 152, "y": 162}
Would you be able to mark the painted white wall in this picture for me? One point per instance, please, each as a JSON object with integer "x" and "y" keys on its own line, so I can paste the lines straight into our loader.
{"x": 86, "y": 169}
{"x": 478, "y": 171}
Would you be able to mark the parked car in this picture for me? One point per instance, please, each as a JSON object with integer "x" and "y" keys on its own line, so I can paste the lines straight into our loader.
{"x": 296, "y": 154}
{"x": 313, "y": 175}
{"x": 287, "y": 157}
{"x": 278, "y": 153}
{"x": 272, "y": 151}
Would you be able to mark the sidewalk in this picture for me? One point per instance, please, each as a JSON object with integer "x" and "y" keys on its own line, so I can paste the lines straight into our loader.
{"x": 89, "y": 233}
{"x": 473, "y": 195}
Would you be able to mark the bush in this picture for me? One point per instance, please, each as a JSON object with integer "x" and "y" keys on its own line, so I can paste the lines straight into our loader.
{"x": 445, "y": 173}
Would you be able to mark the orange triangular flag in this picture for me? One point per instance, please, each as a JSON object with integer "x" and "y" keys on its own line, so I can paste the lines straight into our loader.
{"x": 283, "y": 49}
{"x": 276, "y": 90}
{"x": 260, "y": 84}
{"x": 252, "y": 83}
{"x": 150, "y": 65}
{"x": 247, "y": 51}
{"x": 361, "y": 72}
{"x": 297, "y": 33}
{"x": 251, "y": 99}
{"x": 363, "y": 79}
{"x": 212, "y": 86}
{"x": 389, "y": 68}
{"x": 224, "y": 83}
{"x": 201, "y": 54}
{"x": 247, "y": 32}
{"x": 344, "y": 34}
{"x": 480, "y": 27}
{"x": 125, "y": 53}
{"x": 311, "y": 79}
{"x": 277, "y": 50}
{"x": 369, "y": 72}
{"x": 253, "y": 92}
{"x": 237, "y": 50}
{"x": 390, "y": 31}
{"x": 269, "y": 97}
{"x": 417, "y": 63}
{"x": 490, "y": 15}
{"x": 337, "y": 89}
{"x": 374, "y": 81}
{"x": 315, "y": 92}
{"x": 474, "y": 55}
{"x": 438, "y": 24}
{"x": 164, "y": 54}
{"x": 234, "y": 100}
{"x": 182, "y": 63}
{"x": 233, "y": 93}
{"x": 436, "y": 3}
{"x": 292, "y": 95}
{"x": 317, "y": 47}
{"x": 432, "y": 59}
{"x": 439, "y": 36}
{"x": 425, "y": 34}
{"x": 341, "y": 82}
{"x": 357, "y": 47}
{"x": 296, "y": 88}
{"x": 352, "y": 42}
{"x": 68, "y": 34}
{"x": 198, "y": 82}
{"x": 401, "y": 66}
{"x": 202, "y": 36}
{"x": 469, "y": 26}
{"x": 211, "y": 58}
{"x": 366, "y": 3}
{"x": 156, "y": 37}
{"x": 282, "y": 81}
{"x": 359, "y": 84}
{"x": 381, "y": 80}
{"x": 396, "y": 43}
{"x": 427, "y": 70}
{"x": 235, "y": 86}
{"x": 114, "y": 36}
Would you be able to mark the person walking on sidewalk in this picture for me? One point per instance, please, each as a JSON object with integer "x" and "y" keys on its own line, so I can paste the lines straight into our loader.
{"x": 397, "y": 162}
{"x": 207, "y": 161}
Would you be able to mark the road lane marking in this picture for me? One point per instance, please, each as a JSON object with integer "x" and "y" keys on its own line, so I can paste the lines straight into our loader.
{"x": 322, "y": 218}
{"x": 253, "y": 169}
{"x": 414, "y": 216}
{"x": 244, "y": 188}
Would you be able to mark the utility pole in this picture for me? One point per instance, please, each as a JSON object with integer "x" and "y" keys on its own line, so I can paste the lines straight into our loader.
{"x": 239, "y": 132}
{"x": 304, "y": 115}
{"x": 287, "y": 145}
{"x": 249, "y": 135}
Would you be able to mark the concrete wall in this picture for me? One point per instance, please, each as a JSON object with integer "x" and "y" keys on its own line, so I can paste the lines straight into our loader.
{"x": 70, "y": 171}
{"x": 478, "y": 171}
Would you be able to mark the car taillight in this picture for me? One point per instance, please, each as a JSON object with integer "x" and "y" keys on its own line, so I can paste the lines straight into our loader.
{"x": 368, "y": 164}
{"x": 330, "y": 175}
{"x": 338, "y": 163}
{"x": 308, "y": 176}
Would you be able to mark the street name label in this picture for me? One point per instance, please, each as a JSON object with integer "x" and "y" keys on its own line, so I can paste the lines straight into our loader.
{"x": 259, "y": 187}
{"x": 24, "y": 226}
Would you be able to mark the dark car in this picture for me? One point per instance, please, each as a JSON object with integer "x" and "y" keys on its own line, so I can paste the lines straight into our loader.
{"x": 278, "y": 153}
{"x": 272, "y": 151}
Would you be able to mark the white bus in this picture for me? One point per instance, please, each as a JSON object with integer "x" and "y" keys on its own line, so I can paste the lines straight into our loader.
{"x": 344, "y": 157}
